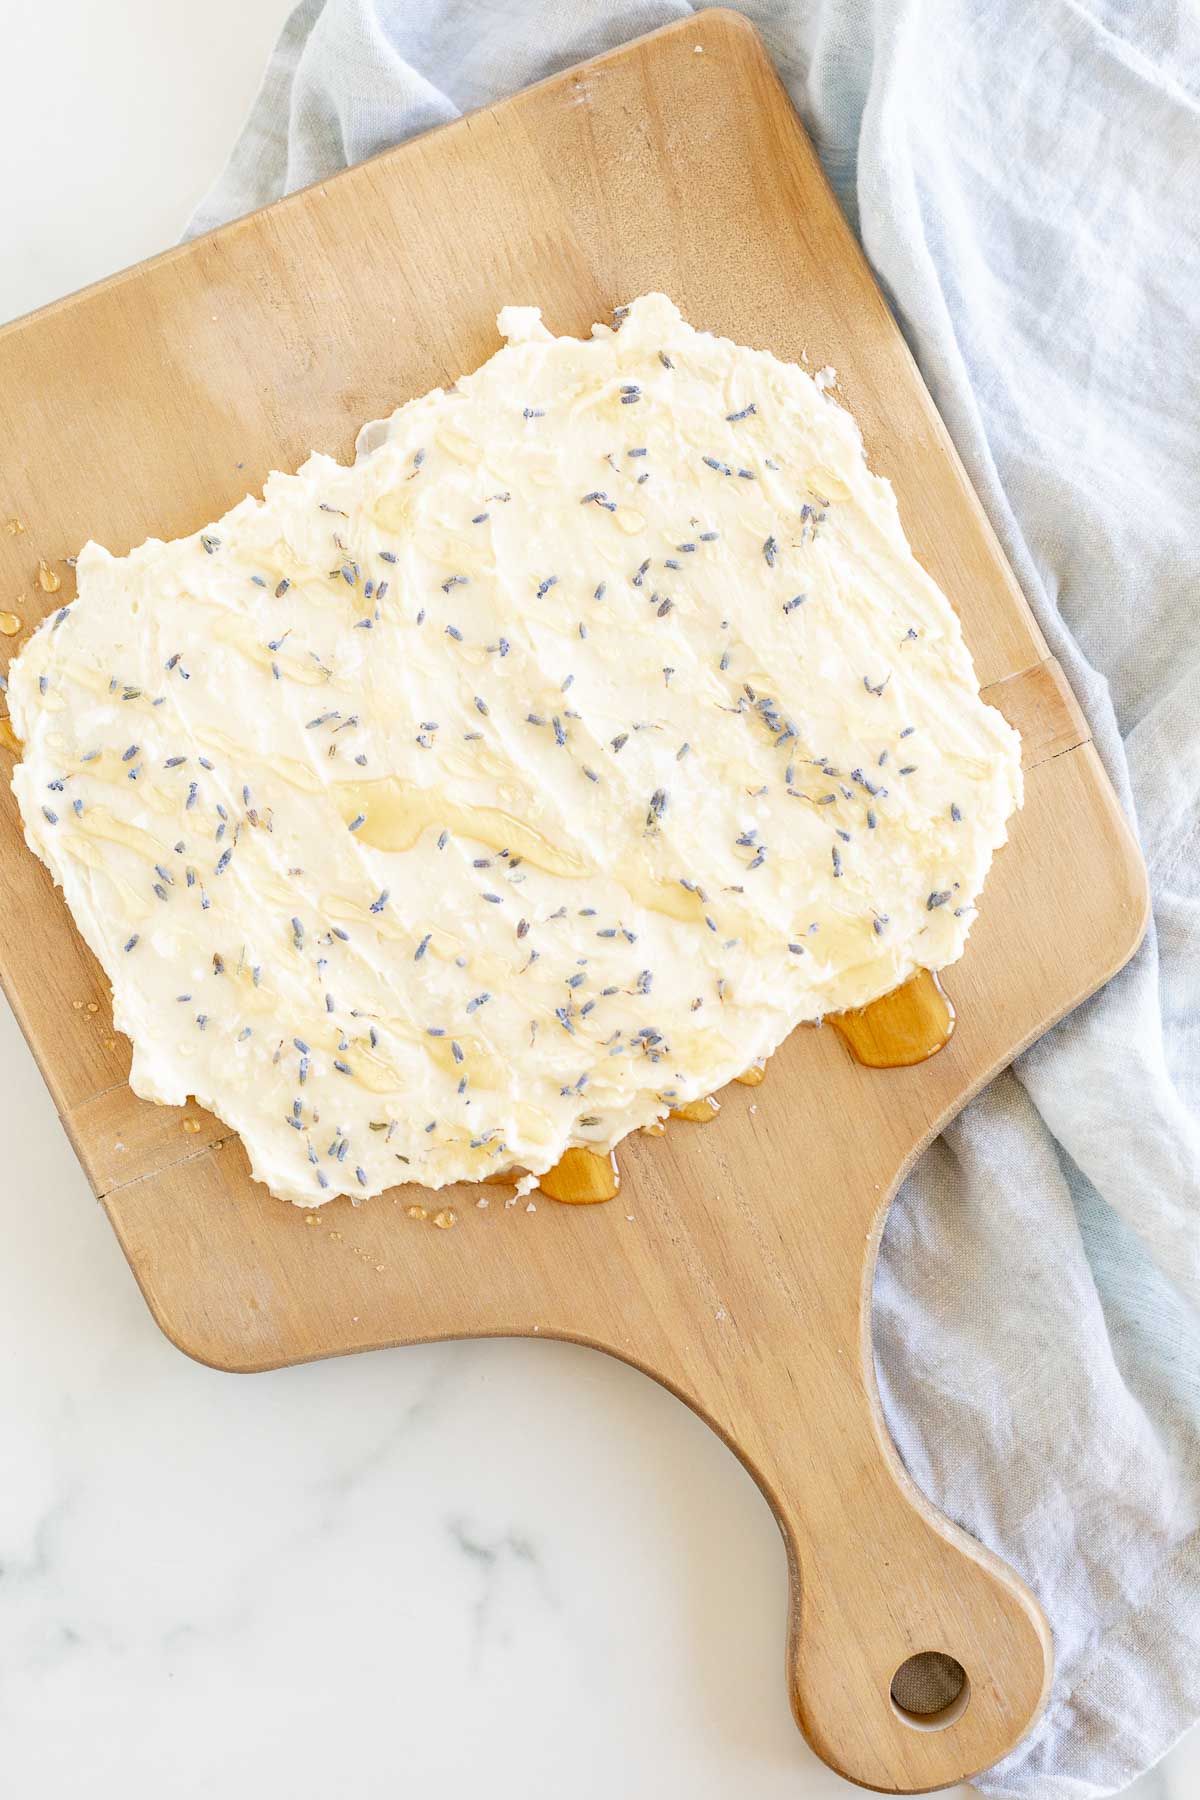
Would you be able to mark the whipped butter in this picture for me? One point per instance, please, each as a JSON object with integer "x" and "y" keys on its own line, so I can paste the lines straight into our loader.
{"x": 530, "y": 778}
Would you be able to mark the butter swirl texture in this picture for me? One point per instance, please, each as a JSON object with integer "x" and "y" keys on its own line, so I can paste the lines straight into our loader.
{"x": 531, "y": 777}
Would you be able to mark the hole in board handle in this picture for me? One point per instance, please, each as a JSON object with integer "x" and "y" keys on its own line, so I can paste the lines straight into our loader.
{"x": 930, "y": 1691}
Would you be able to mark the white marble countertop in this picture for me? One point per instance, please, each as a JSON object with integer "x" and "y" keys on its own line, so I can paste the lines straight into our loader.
{"x": 417, "y": 1571}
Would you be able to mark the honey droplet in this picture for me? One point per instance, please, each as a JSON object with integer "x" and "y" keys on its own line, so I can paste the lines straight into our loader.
{"x": 9, "y": 738}
{"x": 93, "y": 1006}
{"x": 754, "y": 1076}
{"x": 907, "y": 1026}
{"x": 582, "y": 1177}
{"x": 48, "y": 581}
{"x": 502, "y": 1178}
{"x": 656, "y": 1128}
{"x": 445, "y": 1219}
{"x": 192, "y": 1125}
{"x": 10, "y": 623}
{"x": 13, "y": 526}
{"x": 698, "y": 1111}
{"x": 78, "y": 1005}
{"x": 417, "y": 1212}
{"x": 310, "y": 1218}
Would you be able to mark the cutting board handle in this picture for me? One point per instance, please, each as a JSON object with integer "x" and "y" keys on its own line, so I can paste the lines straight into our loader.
{"x": 895, "y": 1583}
{"x": 877, "y": 1575}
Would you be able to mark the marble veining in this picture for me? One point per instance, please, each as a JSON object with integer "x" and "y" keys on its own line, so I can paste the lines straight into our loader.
{"x": 412, "y": 1571}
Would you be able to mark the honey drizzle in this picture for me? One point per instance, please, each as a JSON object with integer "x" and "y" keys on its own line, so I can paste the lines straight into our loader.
{"x": 582, "y": 1177}
{"x": 390, "y": 814}
{"x": 907, "y": 1026}
{"x": 699, "y": 1112}
{"x": 9, "y": 738}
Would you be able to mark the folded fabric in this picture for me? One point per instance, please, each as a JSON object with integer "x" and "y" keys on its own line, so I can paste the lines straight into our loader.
{"x": 1024, "y": 180}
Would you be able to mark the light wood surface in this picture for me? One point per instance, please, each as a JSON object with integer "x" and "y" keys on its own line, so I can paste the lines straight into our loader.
{"x": 735, "y": 1266}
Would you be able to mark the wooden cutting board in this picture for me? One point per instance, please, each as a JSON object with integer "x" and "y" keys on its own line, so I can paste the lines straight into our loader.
{"x": 735, "y": 1267}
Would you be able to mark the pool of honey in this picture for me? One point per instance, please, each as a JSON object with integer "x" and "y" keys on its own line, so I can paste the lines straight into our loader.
{"x": 898, "y": 1030}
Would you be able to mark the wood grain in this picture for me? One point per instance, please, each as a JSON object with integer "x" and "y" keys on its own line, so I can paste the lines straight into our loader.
{"x": 736, "y": 1265}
